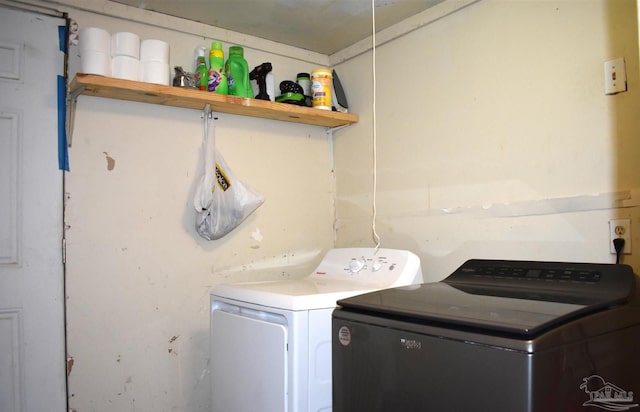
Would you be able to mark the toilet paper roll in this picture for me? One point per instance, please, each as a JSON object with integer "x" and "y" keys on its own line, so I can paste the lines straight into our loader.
{"x": 125, "y": 67}
{"x": 155, "y": 72}
{"x": 94, "y": 38}
{"x": 154, "y": 51}
{"x": 95, "y": 62}
{"x": 125, "y": 44}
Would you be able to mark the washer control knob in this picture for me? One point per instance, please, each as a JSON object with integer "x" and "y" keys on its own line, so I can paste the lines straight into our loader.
{"x": 377, "y": 265}
{"x": 356, "y": 265}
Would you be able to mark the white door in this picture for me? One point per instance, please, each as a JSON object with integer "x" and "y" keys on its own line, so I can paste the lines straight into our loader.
{"x": 32, "y": 346}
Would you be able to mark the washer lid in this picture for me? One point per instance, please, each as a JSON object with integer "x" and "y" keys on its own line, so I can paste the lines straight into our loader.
{"x": 505, "y": 296}
{"x": 342, "y": 273}
{"x": 301, "y": 294}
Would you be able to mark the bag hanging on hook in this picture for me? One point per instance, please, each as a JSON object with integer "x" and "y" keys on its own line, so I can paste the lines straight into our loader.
{"x": 222, "y": 201}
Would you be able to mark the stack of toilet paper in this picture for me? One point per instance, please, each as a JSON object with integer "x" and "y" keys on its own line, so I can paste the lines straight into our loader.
{"x": 124, "y": 56}
{"x": 95, "y": 51}
{"x": 154, "y": 58}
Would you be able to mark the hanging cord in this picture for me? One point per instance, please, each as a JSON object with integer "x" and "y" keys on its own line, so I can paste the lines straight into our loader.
{"x": 376, "y": 237}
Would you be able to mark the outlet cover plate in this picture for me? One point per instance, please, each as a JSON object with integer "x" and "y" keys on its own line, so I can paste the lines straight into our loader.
{"x": 620, "y": 228}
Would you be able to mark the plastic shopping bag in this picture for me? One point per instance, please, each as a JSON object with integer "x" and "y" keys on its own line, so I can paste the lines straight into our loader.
{"x": 222, "y": 201}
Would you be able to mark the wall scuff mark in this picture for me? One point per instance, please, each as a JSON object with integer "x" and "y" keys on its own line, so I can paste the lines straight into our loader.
{"x": 70, "y": 362}
{"x": 111, "y": 162}
{"x": 173, "y": 339}
{"x": 256, "y": 235}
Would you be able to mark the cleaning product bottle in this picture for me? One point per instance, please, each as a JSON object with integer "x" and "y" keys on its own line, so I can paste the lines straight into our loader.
{"x": 217, "y": 77}
{"x": 237, "y": 71}
{"x": 201, "y": 74}
{"x": 304, "y": 80}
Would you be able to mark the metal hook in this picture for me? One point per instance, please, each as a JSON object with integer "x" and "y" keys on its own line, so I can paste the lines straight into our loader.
{"x": 206, "y": 112}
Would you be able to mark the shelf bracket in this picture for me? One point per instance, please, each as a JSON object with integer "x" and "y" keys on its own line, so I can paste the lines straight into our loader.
{"x": 329, "y": 133}
{"x": 330, "y": 130}
{"x": 72, "y": 100}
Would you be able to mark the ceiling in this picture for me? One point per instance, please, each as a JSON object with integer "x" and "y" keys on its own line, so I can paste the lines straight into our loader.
{"x": 322, "y": 26}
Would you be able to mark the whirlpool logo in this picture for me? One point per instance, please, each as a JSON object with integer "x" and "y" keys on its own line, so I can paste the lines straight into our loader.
{"x": 410, "y": 344}
{"x": 605, "y": 395}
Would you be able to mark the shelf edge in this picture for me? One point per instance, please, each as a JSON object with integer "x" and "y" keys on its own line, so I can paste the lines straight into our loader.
{"x": 100, "y": 86}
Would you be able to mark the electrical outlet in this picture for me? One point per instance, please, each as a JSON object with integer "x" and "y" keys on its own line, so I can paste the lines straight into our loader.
{"x": 620, "y": 228}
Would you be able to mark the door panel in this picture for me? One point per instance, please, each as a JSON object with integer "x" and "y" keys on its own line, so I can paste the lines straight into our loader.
{"x": 9, "y": 242}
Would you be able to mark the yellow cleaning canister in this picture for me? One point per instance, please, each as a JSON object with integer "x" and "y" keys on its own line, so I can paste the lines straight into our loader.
{"x": 321, "y": 82}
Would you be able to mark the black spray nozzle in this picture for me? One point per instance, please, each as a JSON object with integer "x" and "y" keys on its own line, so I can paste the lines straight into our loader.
{"x": 259, "y": 74}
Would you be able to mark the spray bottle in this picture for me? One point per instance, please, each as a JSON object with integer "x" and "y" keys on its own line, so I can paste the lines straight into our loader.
{"x": 201, "y": 74}
{"x": 217, "y": 77}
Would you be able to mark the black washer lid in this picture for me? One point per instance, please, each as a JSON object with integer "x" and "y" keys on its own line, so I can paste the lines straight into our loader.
{"x": 522, "y": 298}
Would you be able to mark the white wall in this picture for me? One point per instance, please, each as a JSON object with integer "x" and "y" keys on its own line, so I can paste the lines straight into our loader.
{"x": 494, "y": 137}
{"x": 138, "y": 276}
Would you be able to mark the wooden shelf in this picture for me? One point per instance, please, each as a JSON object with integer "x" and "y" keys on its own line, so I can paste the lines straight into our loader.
{"x": 93, "y": 85}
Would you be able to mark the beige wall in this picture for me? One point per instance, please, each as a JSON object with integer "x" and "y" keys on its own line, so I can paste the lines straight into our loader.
{"x": 495, "y": 137}
{"x": 138, "y": 275}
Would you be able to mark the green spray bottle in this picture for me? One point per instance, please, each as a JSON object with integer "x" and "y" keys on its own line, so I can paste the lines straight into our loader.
{"x": 201, "y": 74}
{"x": 237, "y": 71}
{"x": 217, "y": 77}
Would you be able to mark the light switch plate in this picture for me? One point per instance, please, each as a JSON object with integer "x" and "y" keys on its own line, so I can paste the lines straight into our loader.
{"x": 615, "y": 76}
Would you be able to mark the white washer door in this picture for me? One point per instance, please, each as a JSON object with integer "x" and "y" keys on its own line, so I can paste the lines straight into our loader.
{"x": 248, "y": 364}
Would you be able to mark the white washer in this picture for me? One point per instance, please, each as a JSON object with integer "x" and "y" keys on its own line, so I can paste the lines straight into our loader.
{"x": 271, "y": 341}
